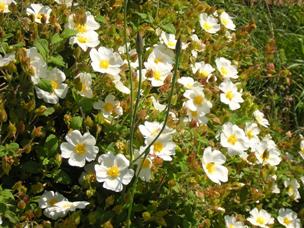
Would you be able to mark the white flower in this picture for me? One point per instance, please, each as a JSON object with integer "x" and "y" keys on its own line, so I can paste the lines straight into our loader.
{"x": 1, "y": 220}
{"x": 267, "y": 154}
{"x": 89, "y": 25}
{"x": 110, "y": 107}
{"x": 197, "y": 100}
{"x": 233, "y": 138}
{"x": 288, "y": 218}
{"x": 120, "y": 86}
{"x": 170, "y": 41}
{"x": 163, "y": 148}
{"x": 145, "y": 173}
{"x": 106, "y": 61}
{"x": 212, "y": 162}
{"x": 50, "y": 198}
{"x": 79, "y": 148}
{"x": 39, "y": 11}
{"x": 230, "y": 95}
{"x": 252, "y": 131}
{"x": 68, "y": 3}
{"x": 292, "y": 189}
{"x": 226, "y": 69}
{"x": 37, "y": 63}
{"x": 231, "y": 222}
{"x": 4, "y": 4}
{"x": 260, "y": 218}
{"x": 227, "y": 21}
{"x": 198, "y": 117}
{"x": 161, "y": 54}
{"x": 159, "y": 72}
{"x": 158, "y": 106}
{"x": 85, "y": 40}
{"x": 209, "y": 23}
{"x": 85, "y": 83}
{"x": 113, "y": 171}
{"x": 301, "y": 152}
{"x": 203, "y": 70}
{"x": 61, "y": 208}
{"x": 259, "y": 116}
{"x": 58, "y": 89}
{"x": 150, "y": 130}
{"x": 187, "y": 82}
{"x": 198, "y": 45}
{"x": 7, "y": 59}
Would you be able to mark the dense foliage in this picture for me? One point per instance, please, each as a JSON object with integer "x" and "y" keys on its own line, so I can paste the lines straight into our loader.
{"x": 108, "y": 119}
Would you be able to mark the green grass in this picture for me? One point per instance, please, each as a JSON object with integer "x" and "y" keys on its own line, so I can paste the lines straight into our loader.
{"x": 281, "y": 92}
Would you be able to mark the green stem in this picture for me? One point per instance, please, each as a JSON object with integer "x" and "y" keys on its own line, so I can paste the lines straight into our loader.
{"x": 146, "y": 151}
{"x": 130, "y": 78}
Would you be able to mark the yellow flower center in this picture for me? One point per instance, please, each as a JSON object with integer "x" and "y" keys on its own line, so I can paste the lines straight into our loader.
{"x": 229, "y": 95}
{"x": 232, "y": 139}
{"x": 82, "y": 39}
{"x": 171, "y": 44}
{"x": 108, "y": 107}
{"x": 287, "y": 221}
{"x": 225, "y": 21}
{"x": 52, "y": 201}
{"x": 224, "y": 71}
{"x": 81, "y": 28}
{"x": 104, "y": 64}
{"x": 113, "y": 172}
{"x": 54, "y": 84}
{"x": 260, "y": 220}
{"x": 80, "y": 148}
{"x": 203, "y": 73}
{"x": 156, "y": 75}
{"x": 158, "y": 147}
{"x": 231, "y": 226}
{"x": 249, "y": 134}
{"x": 157, "y": 60}
{"x": 198, "y": 100}
{"x": 210, "y": 167}
{"x": 2, "y": 6}
{"x": 302, "y": 150}
{"x": 39, "y": 16}
{"x": 146, "y": 164}
{"x": 194, "y": 114}
{"x": 207, "y": 26}
{"x": 291, "y": 190}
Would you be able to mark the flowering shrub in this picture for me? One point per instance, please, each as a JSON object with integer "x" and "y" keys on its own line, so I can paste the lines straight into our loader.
{"x": 122, "y": 114}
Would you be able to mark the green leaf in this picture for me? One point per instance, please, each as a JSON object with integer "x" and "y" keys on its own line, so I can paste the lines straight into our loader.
{"x": 76, "y": 122}
{"x": 49, "y": 111}
{"x": 169, "y": 28}
{"x": 43, "y": 47}
{"x": 61, "y": 177}
{"x": 31, "y": 167}
{"x": 45, "y": 85}
{"x": 51, "y": 144}
{"x": 67, "y": 33}
{"x": 56, "y": 39}
{"x": 86, "y": 104}
{"x": 99, "y": 18}
{"x": 57, "y": 60}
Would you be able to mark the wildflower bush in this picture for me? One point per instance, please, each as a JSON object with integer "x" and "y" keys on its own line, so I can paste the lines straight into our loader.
{"x": 135, "y": 114}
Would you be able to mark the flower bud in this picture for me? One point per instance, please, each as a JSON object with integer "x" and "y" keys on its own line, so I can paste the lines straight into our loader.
{"x": 110, "y": 200}
{"x": 146, "y": 216}
{"x": 11, "y": 130}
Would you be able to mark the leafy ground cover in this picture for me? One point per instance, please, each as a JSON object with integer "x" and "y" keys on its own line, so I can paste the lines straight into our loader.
{"x": 151, "y": 114}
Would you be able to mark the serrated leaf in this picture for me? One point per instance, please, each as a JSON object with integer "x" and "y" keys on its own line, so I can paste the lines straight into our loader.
{"x": 76, "y": 122}
{"x": 56, "y": 39}
{"x": 42, "y": 46}
{"x": 45, "y": 85}
{"x": 57, "y": 60}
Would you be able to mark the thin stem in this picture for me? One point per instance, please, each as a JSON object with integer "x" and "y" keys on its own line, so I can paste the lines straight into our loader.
{"x": 146, "y": 151}
{"x": 130, "y": 78}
